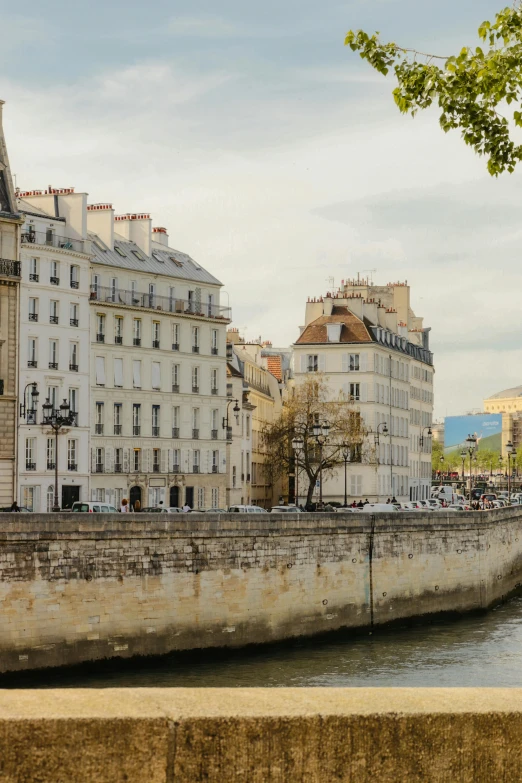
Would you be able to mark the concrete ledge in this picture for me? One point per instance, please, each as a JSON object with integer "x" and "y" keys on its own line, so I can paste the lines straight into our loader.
{"x": 296, "y": 735}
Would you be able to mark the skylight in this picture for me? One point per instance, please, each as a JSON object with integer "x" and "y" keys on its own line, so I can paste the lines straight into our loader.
{"x": 176, "y": 261}
{"x": 158, "y": 258}
{"x": 138, "y": 255}
{"x": 119, "y": 251}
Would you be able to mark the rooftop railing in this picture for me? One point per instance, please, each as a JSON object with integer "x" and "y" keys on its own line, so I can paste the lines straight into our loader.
{"x": 9, "y": 268}
{"x": 166, "y": 304}
{"x": 49, "y": 239}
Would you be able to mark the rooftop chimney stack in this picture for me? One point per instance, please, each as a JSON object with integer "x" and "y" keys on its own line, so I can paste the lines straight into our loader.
{"x": 137, "y": 228}
{"x": 160, "y": 235}
{"x": 100, "y": 220}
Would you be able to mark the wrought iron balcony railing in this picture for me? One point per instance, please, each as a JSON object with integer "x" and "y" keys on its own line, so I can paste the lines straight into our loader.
{"x": 153, "y": 302}
{"x": 10, "y": 268}
{"x": 49, "y": 239}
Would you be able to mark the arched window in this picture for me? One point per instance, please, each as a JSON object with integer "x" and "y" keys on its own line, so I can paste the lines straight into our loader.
{"x": 50, "y": 498}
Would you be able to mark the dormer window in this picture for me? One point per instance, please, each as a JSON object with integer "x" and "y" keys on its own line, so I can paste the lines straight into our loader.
{"x": 333, "y": 332}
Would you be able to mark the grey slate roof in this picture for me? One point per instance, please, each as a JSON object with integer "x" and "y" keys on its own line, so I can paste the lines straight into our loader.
{"x": 158, "y": 263}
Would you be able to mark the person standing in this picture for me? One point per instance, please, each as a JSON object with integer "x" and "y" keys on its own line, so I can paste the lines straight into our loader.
{"x": 15, "y": 506}
{"x": 124, "y": 506}
{"x": 186, "y": 508}
{"x": 137, "y": 507}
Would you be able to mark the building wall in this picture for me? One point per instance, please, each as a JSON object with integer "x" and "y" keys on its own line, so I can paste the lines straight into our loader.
{"x": 74, "y": 590}
{"x": 239, "y": 445}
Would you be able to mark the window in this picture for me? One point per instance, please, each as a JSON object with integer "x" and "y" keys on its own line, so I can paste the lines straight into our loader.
{"x": 136, "y": 373}
{"x": 176, "y": 460}
{"x": 33, "y": 309}
{"x": 55, "y": 273}
{"x": 175, "y": 337}
{"x": 72, "y": 462}
{"x": 215, "y": 461}
{"x": 234, "y": 476}
{"x": 119, "y": 251}
{"x": 214, "y": 342}
{"x": 195, "y": 339}
{"x": 95, "y": 287}
{"x": 201, "y": 497}
{"x": 313, "y": 363}
{"x": 138, "y": 255}
{"x": 53, "y": 311}
{"x": 191, "y": 301}
{"x": 99, "y": 421}
{"x": 353, "y": 359}
{"x": 118, "y": 373}
{"x": 155, "y": 421}
{"x": 118, "y": 330}
{"x": 73, "y": 403}
{"x": 155, "y": 334}
{"x": 195, "y": 422}
{"x": 152, "y": 295}
{"x": 136, "y": 326}
{"x": 355, "y": 391}
{"x": 214, "y": 381}
{"x": 99, "y": 457}
{"x": 172, "y": 297}
{"x": 29, "y": 498}
{"x": 32, "y": 352}
{"x": 117, "y": 418}
{"x": 50, "y": 498}
{"x": 356, "y": 485}
{"x": 33, "y": 270}
{"x": 75, "y": 276}
{"x": 136, "y": 419}
{"x": 73, "y": 314}
{"x": 134, "y": 293}
{"x": 247, "y": 426}
{"x": 100, "y": 328}
{"x": 100, "y": 495}
{"x": 195, "y": 461}
{"x": 175, "y": 377}
{"x": 214, "y": 414}
{"x": 118, "y": 462}
{"x": 50, "y": 454}
{"x": 175, "y": 421}
{"x": 30, "y": 453}
{"x": 53, "y": 354}
{"x": 114, "y": 288}
{"x": 52, "y": 396}
{"x": 156, "y": 460}
{"x": 156, "y": 375}
{"x": 100, "y": 371}
{"x": 73, "y": 357}
{"x": 136, "y": 462}
{"x": 195, "y": 380}
{"x": 210, "y": 308}
{"x": 215, "y": 497}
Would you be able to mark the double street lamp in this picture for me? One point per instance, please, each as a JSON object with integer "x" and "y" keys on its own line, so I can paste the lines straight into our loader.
{"x": 321, "y": 432}
{"x": 471, "y": 443}
{"x": 297, "y": 445}
{"x": 346, "y": 458}
{"x": 56, "y": 418}
{"x": 226, "y": 426}
{"x": 463, "y": 458}
{"x": 511, "y": 454}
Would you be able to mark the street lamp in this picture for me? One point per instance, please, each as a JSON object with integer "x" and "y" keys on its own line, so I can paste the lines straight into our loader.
{"x": 297, "y": 445}
{"x": 463, "y": 458}
{"x": 511, "y": 452}
{"x": 321, "y": 436}
{"x": 421, "y": 439}
{"x": 442, "y": 468}
{"x": 57, "y": 418}
{"x": 30, "y": 413}
{"x": 346, "y": 457}
{"x": 236, "y": 410}
{"x": 378, "y": 433}
{"x": 471, "y": 442}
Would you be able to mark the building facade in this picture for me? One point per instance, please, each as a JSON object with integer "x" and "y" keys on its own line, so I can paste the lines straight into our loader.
{"x": 374, "y": 353}
{"x": 239, "y": 434}
{"x": 10, "y": 269}
{"x": 54, "y": 347}
{"x": 158, "y": 369}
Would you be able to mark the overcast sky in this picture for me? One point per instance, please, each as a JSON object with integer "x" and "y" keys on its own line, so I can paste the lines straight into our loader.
{"x": 277, "y": 159}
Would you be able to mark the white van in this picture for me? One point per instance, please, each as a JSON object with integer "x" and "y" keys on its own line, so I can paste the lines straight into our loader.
{"x": 91, "y": 508}
{"x": 444, "y": 493}
{"x": 379, "y": 508}
{"x": 247, "y": 510}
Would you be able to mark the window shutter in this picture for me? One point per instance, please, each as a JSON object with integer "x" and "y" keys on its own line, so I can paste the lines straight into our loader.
{"x": 156, "y": 375}
{"x": 304, "y": 363}
{"x": 118, "y": 372}
{"x": 222, "y": 462}
{"x": 109, "y": 460}
{"x": 164, "y": 460}
{"x": 136, "y": 373}
{"x": 93, "y": 460}
{"x": 363, "y": 392}
{"x": 346, "y": 391}
{"x": 125, "y": 460}
{"x": 322, "y": 362}
{"x": 100, "y": 370}
{"x": 346, "y": 362}
{"x": 93, "y": 495}
{"x": 363, "y": 361}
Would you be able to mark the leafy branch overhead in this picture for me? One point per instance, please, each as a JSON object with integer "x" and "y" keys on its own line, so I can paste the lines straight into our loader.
{"x": 468, "y": 87}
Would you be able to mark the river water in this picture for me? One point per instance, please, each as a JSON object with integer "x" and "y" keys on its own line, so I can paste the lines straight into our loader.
{"x": 477, "y": 650}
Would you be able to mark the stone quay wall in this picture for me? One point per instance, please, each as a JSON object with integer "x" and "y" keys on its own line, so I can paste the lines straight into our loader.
{"x": 77, "y": 588}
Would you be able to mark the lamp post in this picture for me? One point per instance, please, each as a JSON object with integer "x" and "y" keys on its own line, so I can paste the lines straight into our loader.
{"x": 442, "y": 468}
{"x": 30, "y": 413}
{"x": 236, "y": 410}
{"x": 510, "y": 453}
{"x": 297, "y": 445}
{"x": 346, "y": 457}
{"x": 57, "y": 418}
{"x": 471, "y": 442}
{"x": 463, "y": 458}
{"x": 321, "y": 436}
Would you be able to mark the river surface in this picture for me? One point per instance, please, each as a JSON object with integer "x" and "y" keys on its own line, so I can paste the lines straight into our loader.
{"x": 477, "y": 650}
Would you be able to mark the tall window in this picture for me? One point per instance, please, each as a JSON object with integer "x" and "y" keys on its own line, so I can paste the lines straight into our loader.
{"x": 195, "y": 339}
{"x": 156, "y": 460}
{"x": 195, "y": 380}
{"x": 53, "y": 354}
{"x": 32, "y": 352}
{"x": 175, "y": 377}
{"x": 33, "y": 270}
{"x": 73, "y": 314}
{"x": 214, "y": 342}
{"x": 75, "y": 276}
{"x": 175, "y": 337}
{"x": 353, "y": 362}
{"x": 172, "y": 297}
{"x": 214, "y": 414}
{"x": 100, "y": 415}
{"x": 50, "y": 498}
{"x": 100, "y": 370}
{"x": 100, "y": 328}
{"x": 136, "y": 463}
{"x": 117, "y": 418}
{"x": 99, "y": 460}
{"x": 210, "y": 309}
{"x": 118, "y": 373}
{"x": 214, "y": 381}
{"x": 53, "y": 311}
{"x": 136, "y": 331}
{"x": 30, "y": 453}
{"x": 196, "y": 461}
{"x": 234, "y": 476}
{"x": 118, "y": 330}
{"x": 52, "y": 396}
{"x": 152, "y": 295}
{"x": 176, "y": 460}
{"x": 215, "y": 461}
{"x": 118, "y": 461}
{"x": 215, "y": 497}
{"x": 55, "y": 273}
{"x": 73, "y": 357}
{"x": 33, "y": 308}
{"x": 248, "y": 426}
{"x": 191, "y": 301}
{"x": 155, "y": 421}
{"x": 114, "y": 288}
{"x": 155, "y": 334}
{"x": 72, "y": 461}
{"x": 175, "y": 421}
{"x": 195, "y": 422}
{"x": 136, "y": 373}
{"x": 156, "y": 375}
{"x": 313, "y": 363}
{"x": 136, "y": 419}
{"x": 73, "y": 402}
{"x": 96, "y": 286}
{"x": 201, "y": 497}
{"x": 134, "y": 292}
{"x": 29, "y": 498}
{"x": 50, "y": 454}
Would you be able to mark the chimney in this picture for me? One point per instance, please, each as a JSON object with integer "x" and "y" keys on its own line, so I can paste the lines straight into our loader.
{"x": 100, "y": 220}
{"x": 137, "y": 228}
{"x": 328, "y": 304}
{"x": 159, "y": 235}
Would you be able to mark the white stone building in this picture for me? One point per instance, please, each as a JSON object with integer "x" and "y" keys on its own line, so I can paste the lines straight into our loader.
{"x": 239, "y": 440}
{"x": 158, "y": 368}
{"x": 375, "y": 352}
{"x": 54, "y": 346}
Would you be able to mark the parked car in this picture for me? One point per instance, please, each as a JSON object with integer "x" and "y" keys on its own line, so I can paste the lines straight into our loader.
{"x": 286, "y": 510}
{"x": 247, "y": 510}
{"x": 23, "y": 509}
{"x": 214, "y": 511}
{"x": 379, "y": 508}
{"x": 94, "y": 507}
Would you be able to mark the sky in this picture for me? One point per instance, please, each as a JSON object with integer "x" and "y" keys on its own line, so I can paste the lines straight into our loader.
{"x": 276, "y": 158}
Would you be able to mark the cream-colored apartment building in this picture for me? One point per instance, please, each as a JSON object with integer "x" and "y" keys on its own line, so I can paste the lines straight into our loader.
{"x": 374, "y": 352}
{"x": 158, "y": 368}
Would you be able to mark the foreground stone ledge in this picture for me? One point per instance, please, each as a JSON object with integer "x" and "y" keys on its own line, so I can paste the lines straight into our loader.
{"x": 261, "y": 735}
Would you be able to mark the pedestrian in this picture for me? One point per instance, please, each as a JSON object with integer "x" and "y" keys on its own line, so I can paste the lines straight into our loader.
{"x": 124, "y": 506}
{"x": 366, "y": 502}
{"x": 15, "y": 506}
{"x": 388, "y": 501}
{"x": 186, "y": 508}
{"x": 137, "y": 507}
{"x": 360, "y": 504}
{"x": 394, "y": 499}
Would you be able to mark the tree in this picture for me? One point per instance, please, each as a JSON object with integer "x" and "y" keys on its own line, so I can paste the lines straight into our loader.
{"x": 309, "y": 405}
{"x": 468, "y": 87}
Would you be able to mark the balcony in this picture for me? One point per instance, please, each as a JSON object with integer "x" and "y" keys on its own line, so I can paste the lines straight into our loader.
{"x": 10, "y": 268}
{"x": 136, "y": 429}
{"x": 118, "y": 339}
{"x": 73, "y": 466}
{"x": 195, "y": 468}
{"x": 118, "y": 467}
{"x": 100, "y": 338}
{"x": 75, "y": 284}
{"x": 214, "y": 351}
{"x": 214, "y": 434}
{"x": 33, "y": 316}
{"x": 30, "y": 465}
{"x": 175, "y": 432}
{"x": 136, "y": 341}
{"x": 99, "y": 468}
{"x": 51, "y": 465}
{"x": 73, "y": 321}
{"x": 175, "y": 346}
{"x": 163, "y": 303}
{"x": 98, "y": 429}
{"x": 195, "y": 434}
{"x": 155, "y": 343}
{"x": 175, "y": 388}
{"x": 34, "y": 278}
{"x": 53, "y": 319}
{"x": 214, "y": 391}
{"x": 32, "y": 363}
{"x": 175, "y": 469}
{"x": 117, "y": 429}
{"x": 155, "y": 432}
{"x": 195, "y": 389}
{"x": 54, "y": 280}
{"x": 73, "y": 367}
{"x": 195, "y": 349}
{"x": 155, "y": 468}
{"x": 53, "y": 365}
{"x": 214, "y": 468}
{"x": 48, "y": 239}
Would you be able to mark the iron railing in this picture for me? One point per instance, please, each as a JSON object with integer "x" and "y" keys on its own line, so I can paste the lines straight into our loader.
{"x": 155, "y": 432}
{"x": 117, "y": 429}
{"x": 154, "y": 302}
{"x": 98, "y": 429}
{"x": 72, "y": 466}
{"x": 10, "y": 268}
{"x": 49, "y": 239}
{"x": 195, "y": 434}
{"x": 214, "y": 434}
{"x": 73, "y": 321}
{"x": 175, "y": 432}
